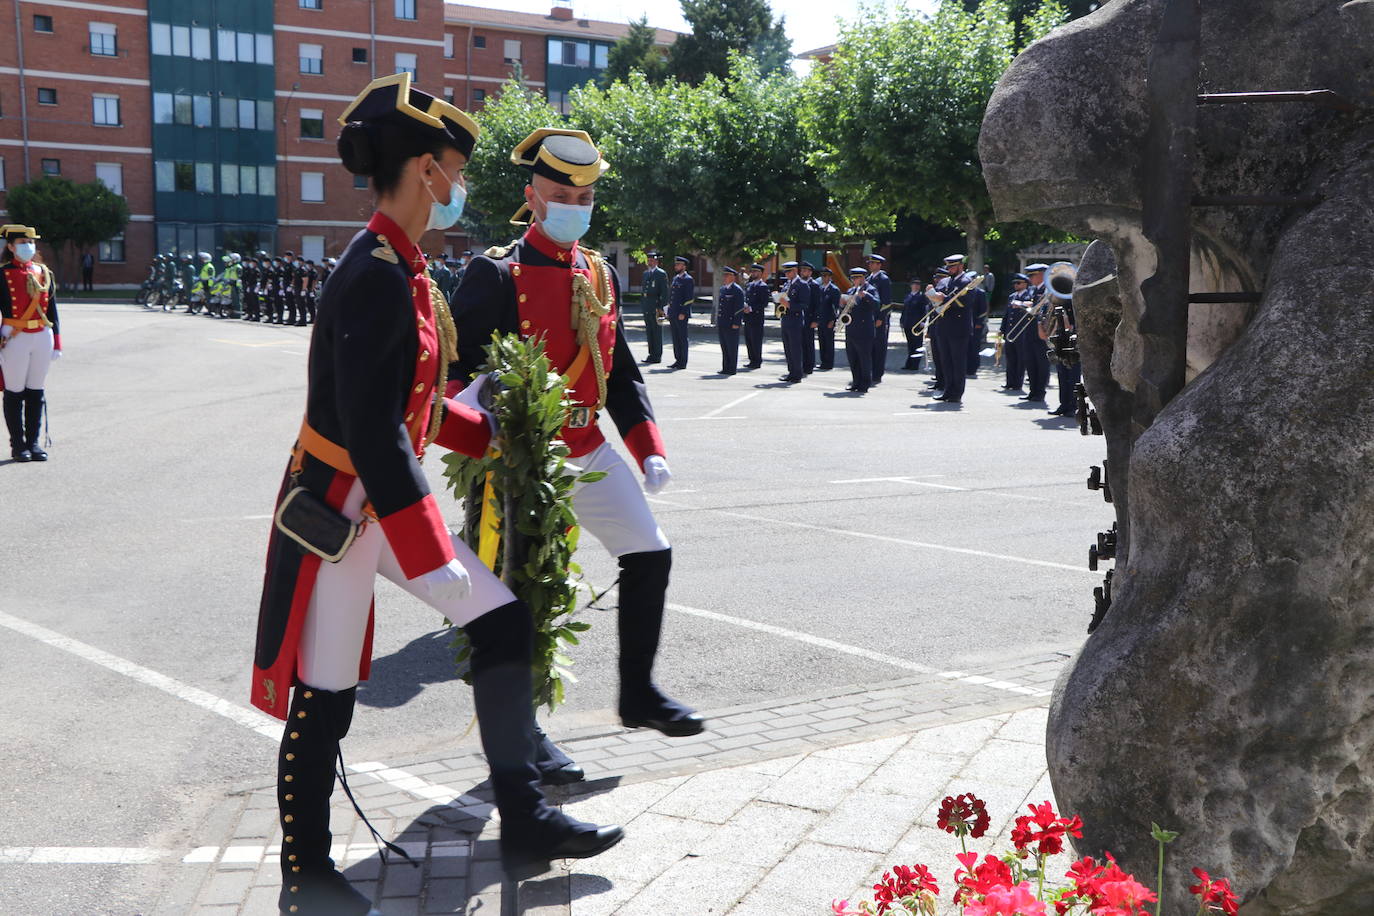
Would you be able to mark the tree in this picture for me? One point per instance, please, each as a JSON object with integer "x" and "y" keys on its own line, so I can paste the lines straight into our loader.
{"x": 894, "y": 117}
{"x": 716, "y": 167}
{"x": 68, "y": 215}
{"x": 1023, "y": 11}
{"x": 495, "y": 186}
{"x": 636, "y": 51}
{"x": 720, "y": 27}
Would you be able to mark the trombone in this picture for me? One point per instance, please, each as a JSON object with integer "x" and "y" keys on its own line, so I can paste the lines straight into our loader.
{"x": 938, "y": 312}
{"x": 1059, "y": 283}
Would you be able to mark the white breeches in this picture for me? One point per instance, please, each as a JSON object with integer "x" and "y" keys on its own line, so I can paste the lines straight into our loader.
{"x": 614, "y": 509}
{"x": 25, "y": 359}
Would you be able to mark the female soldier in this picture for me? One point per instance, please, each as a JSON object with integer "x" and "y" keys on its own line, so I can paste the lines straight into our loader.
{"x": 375, "y": 401}
{"x": 29, "y": 339}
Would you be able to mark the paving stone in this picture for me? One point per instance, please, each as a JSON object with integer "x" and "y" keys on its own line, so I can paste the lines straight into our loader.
{"x": 400, "y": 906}
{"x": 261, "y": 901}
{"x": 760, "y": 834}
{"x": 1028, "y": 726}
{"x": 622, "y": 804}
{"x": 446, "y": 895}
{"x": 775, "y": 767}
{"x": 868, "y": 820}
{"x": 807, "y": 880}
{"x": 593, "y": 895}
{"x": 1005, "y": 762}
{"x": 705, "y": 885}
{"x": 873, "y": 751}
{"x": 652, "y": 844}
{"x": 714, "y": 796}
{"x": 796, "y": 731}
{"x": 914, "y": 772}
{"x": 227, "y": 887}
{"x": 402, "y": 880}
{"x": 818, "y": 783}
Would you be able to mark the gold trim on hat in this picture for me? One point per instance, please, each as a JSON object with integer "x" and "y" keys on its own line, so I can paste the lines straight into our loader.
{"x": 432, "y": 117}
{"x": 581, "y": 175}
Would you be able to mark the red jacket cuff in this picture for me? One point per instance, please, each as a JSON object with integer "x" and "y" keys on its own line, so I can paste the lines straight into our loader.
{"x": 644, "y": 440}
{"x": 418, "y": 536}
{"x": 464, "y": 430}
{"x": 57, "y": 341}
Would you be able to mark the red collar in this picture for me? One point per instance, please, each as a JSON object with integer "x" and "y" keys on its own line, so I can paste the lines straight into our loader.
{"x": 383, "y": 225}
{"x": 546, "y": 246}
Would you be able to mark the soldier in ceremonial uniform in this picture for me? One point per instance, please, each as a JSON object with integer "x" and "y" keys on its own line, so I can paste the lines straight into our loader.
{"x": 827, "y": 313}
{"x": 653, "y": 301}
{"x": 862, "y": 301}
{"x": 795, "y": 304}
{"x": 808, "y": 273}
{"x": 914, "y": 308}
{"x": 439, "y": 273}
{"x": 757, "y": 297}
{"x": 1014, "y": 322}
{"x": 378, "y": 361}
{"x": 1067, "y": 375}
{"x": 30, "y": 339}
{"x": 882, "y": 288}
{"x": 979, "y": 338}
{"x": 728, "y": 321}
{"x": 679, "y": 310}
{"x": 1034, "y": 355}
{"x": 527, "y": 288}
{"x": 955, "y": 327}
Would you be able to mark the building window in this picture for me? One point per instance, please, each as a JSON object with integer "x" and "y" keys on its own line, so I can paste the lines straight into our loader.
{"x": 244, "y": 51}
{"x": 407, "y": 63}
{"x": 47, "y": 96}
{"x": 181, "y": 41}
{"x": 479, "y": 95}
{"x": 228, "y": 113}
{"x": 559, "y": 101}
{"x": 200, "y": 111}
{"x": 42, "y": 23}
{"x": 312, "y": 247}
{"x": 2, "y": 175}
{"x": 111, "y": 175}
{"x": 228, "y": 42}
{"x": 247, "y": 113}
{"x": 103, "y": 39}
{"x": 448, "y": 44}
{"x": 185, "y": 176}
{"x": 359, "y": 182}
{"x": 312, "y": 59}
{"x": 52, "y": 166}
{"x": 229, "y": 179}
{"x": 479, "y": 41}
{"x": 262, "y": 49}
{"x": 601, "y": 56}
{"x": 511, "y": 52}
{"x": 106, "y": 110}
{"x": 205, "y": 178}
{"x": 405, "y": 9}
{"x": 163, "y": 179}
{"x": 181, "y": 109}
{"x": 267, "y": 180}
{"x": 360, "y": 55}
{"x": 200, "y": 44}
{"x": 264, "y": 114}
{"x": 112, "y": 250}
{"x": 312, "y": 5}
{"x": 312, "y": 187}
{"x": 312, "y": 124}
{"x": 162, "y": 38}
{"x": 248, "y": 179}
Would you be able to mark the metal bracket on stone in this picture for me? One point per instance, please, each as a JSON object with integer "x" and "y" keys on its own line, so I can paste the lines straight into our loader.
{"x": 1098, "y": 480}
{"x": 1102, "y": 598}
{"x": 1088, "y": 423}
{"x": 1322, "y": 98}
{"x": 1104, "y": 549}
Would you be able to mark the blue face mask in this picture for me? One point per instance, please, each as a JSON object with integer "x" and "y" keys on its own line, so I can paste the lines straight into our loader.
{"x": 565, "y": 223}
{"x": 442, "y": 216}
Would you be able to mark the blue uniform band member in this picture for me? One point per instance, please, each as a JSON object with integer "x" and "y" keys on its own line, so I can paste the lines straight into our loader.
{"x": 933, "y": 335}
{"x": 653, "y": 301}
{"x": 882, "y": 288}
{"x": 30, "y": 339}
{"x": 955, "y": 326}
{"x": 529, "y": 288}
{"x": 914, "y": 309}
{"x": 729, "y": 319}
{"x": 862, "y": 304}
{"x": 812, "y": 324}
{"x": 794, "y": 302}
{"x": 1034, "y": 355}
{"x": 1014, "y": 321}
{"x": 680, "y": 295}
{"x": 757, "y": 298}
{"x": 827, "y": 313}
{"x": 1067, "y": 375}
{"x": 374, "y": 403}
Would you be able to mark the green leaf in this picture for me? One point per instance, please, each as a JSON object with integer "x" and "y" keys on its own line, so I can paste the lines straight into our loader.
{"x": 1161, "y": 835}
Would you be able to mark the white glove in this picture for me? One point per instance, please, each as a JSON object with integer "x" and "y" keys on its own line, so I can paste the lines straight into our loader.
{"x": 448, "y": 584}
{"x": 56, "y": 354}
{"x": 471, "y": 395}
{"x": 656, "y": 474}
{"x": 6, "y": 331}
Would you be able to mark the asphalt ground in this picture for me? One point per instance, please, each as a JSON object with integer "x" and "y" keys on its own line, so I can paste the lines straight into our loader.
{"x": 887, "y": 525}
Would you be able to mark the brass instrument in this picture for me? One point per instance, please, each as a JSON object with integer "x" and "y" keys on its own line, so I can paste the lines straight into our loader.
{"x": 780, "y": 304}
{"x": 1059, "y": 282}
{"x": 845, "y": 318}
{"x": 935, "y": 314}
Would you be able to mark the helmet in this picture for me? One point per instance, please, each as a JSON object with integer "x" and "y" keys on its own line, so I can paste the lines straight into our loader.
{"x": 236, "y": 257}
{"x": 261, "y": 254}
{"x": 204, "y": 255}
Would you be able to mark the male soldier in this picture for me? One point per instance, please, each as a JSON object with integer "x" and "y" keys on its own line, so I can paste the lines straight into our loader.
{"x": 310, "y": 292}
{"x": 1067, "y": 375}
{"x": 653, "y": 301}
{"x": 1014, "y": 322}
{"x": 859, "y": 333}
{"x": 757, "y": 297}
{"x": 1034, "y": 355}
{"x": 937, "y": 385}
{"x": 250, "y": 287}
{"x": 979, "y": 338}
{"x": 812, "y": 318}
{"x": 914, "y": 308}
{"x": 439, "y": 273}
{"x": 728, "y": 320}
{"x": 680, "y": 310}
{"x": 955, "y": 326}
{"x": 794, "y": 303}
{"x": 882, "y": 288}
{"x": 287, "y": 280}
{"x": 826, "y": 314}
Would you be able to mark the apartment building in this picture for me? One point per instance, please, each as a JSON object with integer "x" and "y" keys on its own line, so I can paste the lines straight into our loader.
{"x": 216, "y": 119}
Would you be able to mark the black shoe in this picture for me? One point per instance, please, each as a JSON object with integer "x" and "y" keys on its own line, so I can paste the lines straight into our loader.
{"x": 1057, "y": 412}
{"x": 528, "y": 849}
{"x": 21, "y": 455}
{"x": 1011, "y": 388}
{"x": 936, "y": 393}
{"x": 1033, "y": 397}
{"x": 680, "y": 725}
{"x": 648, "y": 362}
{"x": 555, "y": 767}
{"x": 824, "y": 368}
{"x": 790, "y": 379}
{"x": 37, "y": 454}
{"x": 754, "y": 366}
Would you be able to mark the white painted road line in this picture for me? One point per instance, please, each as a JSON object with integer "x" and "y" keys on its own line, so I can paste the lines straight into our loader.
{"x": 915, "y": 482}
{"x": 735, "y": 403}
{"x": 258, "y": 722}
{"x": 79, "y": 855}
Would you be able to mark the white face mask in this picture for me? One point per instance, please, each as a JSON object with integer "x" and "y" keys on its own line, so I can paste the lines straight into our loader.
{"x": 565, "y": 223}
{"x": 25, "y": 251}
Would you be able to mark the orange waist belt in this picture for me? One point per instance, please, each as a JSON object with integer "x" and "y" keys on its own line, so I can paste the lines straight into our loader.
{"x": 36, "y": 324}
{"x": 331, "y": 453}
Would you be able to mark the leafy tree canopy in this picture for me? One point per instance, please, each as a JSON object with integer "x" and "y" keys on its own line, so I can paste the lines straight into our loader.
{"x": 495, "y": 186}
{"x": 67, "y": 214}
{"x": 636, "y": 52}
{"x": 722, "y": 27}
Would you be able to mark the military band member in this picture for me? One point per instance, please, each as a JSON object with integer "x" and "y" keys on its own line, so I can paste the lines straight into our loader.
{"x": 729, "y": 317}
{"x": 30, "y": 339}
{"x": 376, "y": 359}
{"x": 914, "y": 308}
{"x": 653, "y": 302}
{"x": 1034, "y": 355}
{"x": 1067, "y": 376}
{"x": 757, "y": 298}
{"x": 859, "y": 334}
{"x": 1014, "y": 321}
{"x": 978, "y": 340}
{"x": 937, "y": 385}
{"x": 827, "y": 314}
{"x": 439, "y": 272}
{"x": 955, "y": 327}
{"x": 679, "y": 310}
{"x": 812, "y": 324}
{"x": 882, "y": 287}
{"x": 794, "y": 302}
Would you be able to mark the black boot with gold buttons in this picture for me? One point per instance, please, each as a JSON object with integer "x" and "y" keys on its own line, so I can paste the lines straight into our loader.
{"x": 311, "y": 886}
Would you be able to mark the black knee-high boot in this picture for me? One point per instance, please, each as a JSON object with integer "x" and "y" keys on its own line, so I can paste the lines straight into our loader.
{"x": 532, "y": 833}
{"x": 310, "y": 885}
{"x": 14, "y": 421}
{"x": 33, "y": 422}
{"x": 643, "y": 591}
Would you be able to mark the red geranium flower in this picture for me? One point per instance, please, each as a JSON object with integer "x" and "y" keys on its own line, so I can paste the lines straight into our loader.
{"x": 902, "y": 882}
{"x": 1216, "y": 894}
{"x": 1044, "y": 830}
{"x": 963, "y": 814}
{"x": 975, "y": 881}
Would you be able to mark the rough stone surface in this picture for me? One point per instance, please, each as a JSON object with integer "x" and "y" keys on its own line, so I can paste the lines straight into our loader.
{"x": 1230, "y": 691}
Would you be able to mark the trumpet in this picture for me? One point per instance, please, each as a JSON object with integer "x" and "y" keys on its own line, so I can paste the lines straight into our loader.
{"x": 780, "y": 302}
{"x": 935, "y": 314}
{"x": 1059, "y": 283}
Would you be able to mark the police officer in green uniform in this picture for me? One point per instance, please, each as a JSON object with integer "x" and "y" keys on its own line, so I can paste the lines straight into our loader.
{"x": 653, "y": 301}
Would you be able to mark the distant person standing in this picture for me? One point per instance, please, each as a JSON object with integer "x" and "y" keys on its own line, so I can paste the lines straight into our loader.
{"x": 757, "y": 297}
{"x": 88, "y": 272}
{"x": 1015, "y": 320}
{"x": 812, "y": 324}
{"x": 882, "y": 288}
{"x": 914, "y": 308}
{"x": 794, "y": 306}
{"x": 728, "y": 320}
{"x": 827, "y": 313}
{"x": 862, "y": 302}
{"x": 680, "y": 310}
{"x": 29, "y": 339}
{"x": 653, "y": 301}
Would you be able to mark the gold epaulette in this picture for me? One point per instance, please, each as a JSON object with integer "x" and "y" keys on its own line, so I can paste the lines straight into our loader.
{"x": 498, "y": 251}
